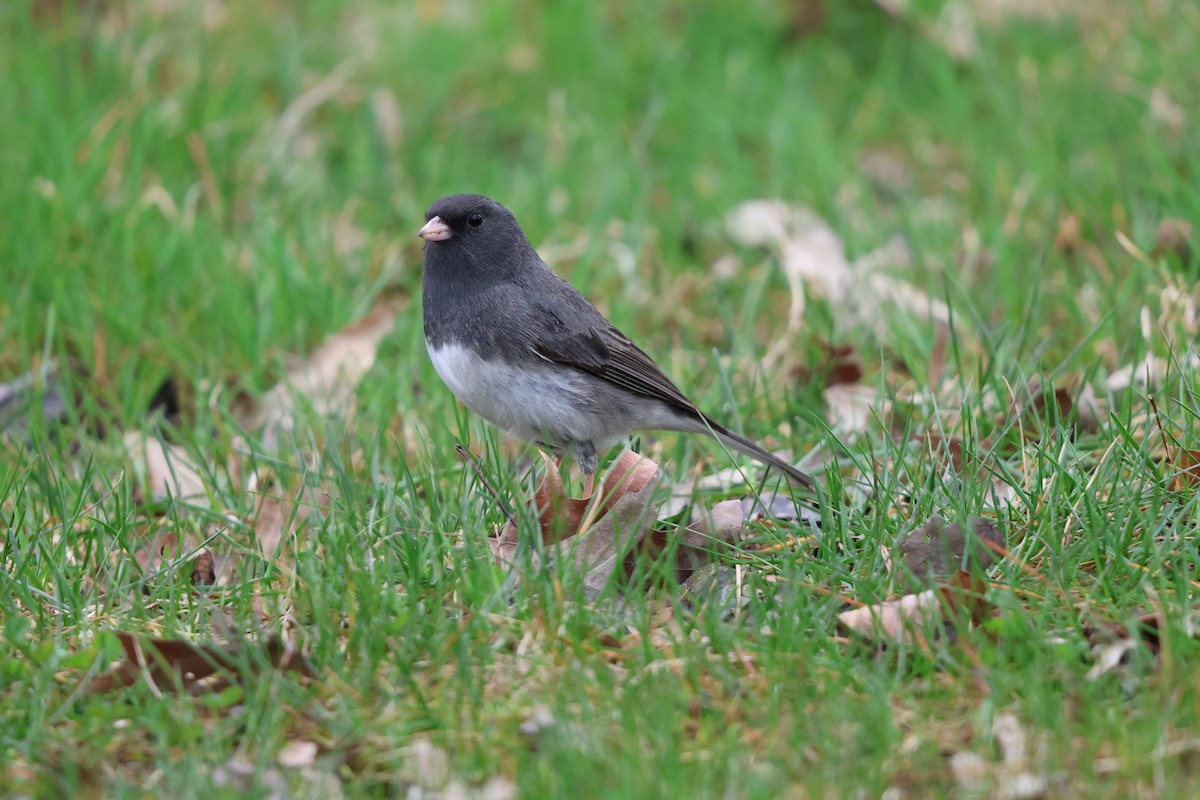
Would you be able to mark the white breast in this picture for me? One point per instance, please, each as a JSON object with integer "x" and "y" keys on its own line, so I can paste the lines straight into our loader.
{"x": 544, "y": 406}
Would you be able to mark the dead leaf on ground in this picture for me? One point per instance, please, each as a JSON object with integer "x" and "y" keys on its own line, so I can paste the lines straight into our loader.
{"x": 1047, "y": 403}
{"x": 601, "y": 548}
{"x": 278, "y": 513}
{"x": 1010, "y": 777}
{"x": 560, "y": 516}
{"x": 937, "y": 358}
{"x": 1150, "y": 371}
{"x": 852, "y": 408}
{"x": 297, "y": 753}
{"x": 776, "y": 507}
{"x": 624, "y": 512}
{"x": 1069, "y": 235}
{"x": 1113, "y": 641}
{"x": 710, "y": 532}
{"x": 813, "y": 258}
{"x": 1187, "y": 469}
{"x": 939, "y": 549}
{"x": 1165, "y": 110}
{"x": 840, "y": 364}
{"x": 166, "y": 471}
{"x": 1175, "y": 237}
{"x": 328, "y": 378}
{"x": 168, "y": 553}
{"x": 947, "y": 452}
{"x": 169, "y": 665}
{"x": 907, "y": 619}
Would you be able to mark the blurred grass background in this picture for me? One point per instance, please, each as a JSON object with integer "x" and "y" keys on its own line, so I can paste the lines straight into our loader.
{"x": 203, "y": 190}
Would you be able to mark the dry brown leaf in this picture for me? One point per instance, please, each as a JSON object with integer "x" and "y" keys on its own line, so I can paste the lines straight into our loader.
{"x": 898, "y": 620}
{"x": 842, "y": 364}
{"x": 167, "y": 665}
{"x": 165, "y": 470}
{"x": 813, "y": 258}
{"x": 601, "y": 549}
{"x": 1174, "y": 237}
{"x": 277, "y": 513}
{"x": 1108, "y": 656}
{"x": 1008, "y": 778}
{"x": 1113, "y": 641}
{"x": 1166, "y": 110}
{"x": 1068, "y": 237}
{"x": 297, "y": 753}
{"x": 167, "y": 551}
{"x": 1150, "y": 371}
{"x": 1083, "y": 405}
{"x": 937, "y": 358}
{"x": 328, "y": 378}
{"x": 711, "y": 531}
{"x": 852, "y": 408}
{"x": 907, "y": 618}
{"x": 561, "y": 516}
{"x": 964, "y": 596}
{"x": 945, "y": 451}
{"x": 1187, "y": 466}
{"x": 938, "y": 549}
{"x": 722, "y": 523}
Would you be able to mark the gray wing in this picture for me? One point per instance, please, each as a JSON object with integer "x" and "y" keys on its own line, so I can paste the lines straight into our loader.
{"x": 580, "y": 337}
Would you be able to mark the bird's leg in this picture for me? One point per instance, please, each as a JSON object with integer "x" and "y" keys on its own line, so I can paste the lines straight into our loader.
{"x": 585, "y": 452}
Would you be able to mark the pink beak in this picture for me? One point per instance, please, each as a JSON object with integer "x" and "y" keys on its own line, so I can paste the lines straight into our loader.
{"x": 435, "y": 231}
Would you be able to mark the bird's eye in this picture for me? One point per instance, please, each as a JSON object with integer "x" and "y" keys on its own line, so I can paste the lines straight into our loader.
{"x": 475, "y": 220}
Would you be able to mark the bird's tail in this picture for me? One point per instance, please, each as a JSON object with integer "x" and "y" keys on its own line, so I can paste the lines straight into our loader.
{"x": 744, "y": 446}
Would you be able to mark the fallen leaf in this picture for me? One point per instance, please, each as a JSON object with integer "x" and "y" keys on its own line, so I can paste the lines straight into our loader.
{"x": 1166, "y": 110}
{"x": 1174, "y": 237}
{"x": 167, "y": 554}
{"x": 601, "y": 549}
{"x": 695, "y": 545}
{"x": 777, "y": 507}
{"x": 1150, "y": 371}
{"x": 1108, "y": 656}
{"x": 328, "y": 378}
{"x": 242, "y": 775}
{"x": 851, "y": 408}
{"x": 297, "y": 753}
{"x": 813, "y": 258}
{"x": 908, "y": 618}
{"x": 168, "y": 665}
{"x": 1187, "y": 466}
{"x": 1068, "y": 237}
{"x": 166, "y": 471}
{"x": 945, "y": 451}
{"x": 899, "y": 620}
{"x": 624, "y": 500}
{"x": 937, "y": 358}
{"x": 937, "y": 549}
{"x": 840, "y": 364}
{"x": 424, "y": 764}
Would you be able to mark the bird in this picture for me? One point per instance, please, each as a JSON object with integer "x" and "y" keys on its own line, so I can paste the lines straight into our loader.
{"x": 522, "y": 348}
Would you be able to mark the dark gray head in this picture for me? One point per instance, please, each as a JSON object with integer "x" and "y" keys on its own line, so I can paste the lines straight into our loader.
{"x": 465, "y": 231}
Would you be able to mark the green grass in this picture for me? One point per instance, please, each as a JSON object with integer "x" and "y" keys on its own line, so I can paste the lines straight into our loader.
{"x": 206, "y": 191}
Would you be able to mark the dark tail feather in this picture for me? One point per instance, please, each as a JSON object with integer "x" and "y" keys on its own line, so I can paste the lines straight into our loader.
{"x": 746, "y": 447}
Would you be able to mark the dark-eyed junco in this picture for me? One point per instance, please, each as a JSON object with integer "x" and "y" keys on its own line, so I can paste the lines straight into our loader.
{"x": 520, "y": 347}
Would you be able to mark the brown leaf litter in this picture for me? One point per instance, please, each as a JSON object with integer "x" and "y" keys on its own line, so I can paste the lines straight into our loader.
{"x": 170, "y": 665}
